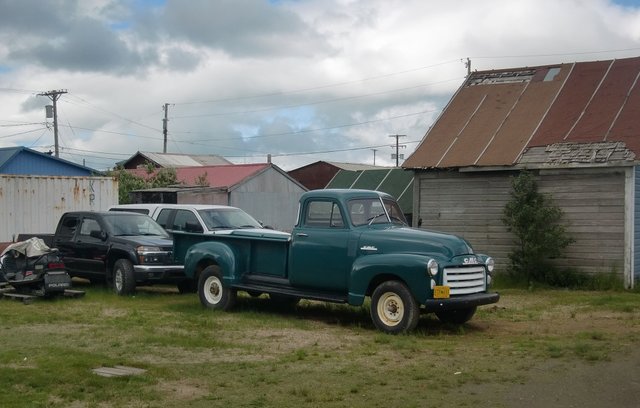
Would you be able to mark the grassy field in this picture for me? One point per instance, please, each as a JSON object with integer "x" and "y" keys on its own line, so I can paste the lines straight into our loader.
{"x": 313, "y": 355}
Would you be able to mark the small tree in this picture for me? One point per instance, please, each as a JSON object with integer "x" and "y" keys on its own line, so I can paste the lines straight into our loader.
{"x": 163, "y": 178}
{"x": 128, "y": 182}
{"x": 535, "y": 221}
{"x": 202, "y": 180}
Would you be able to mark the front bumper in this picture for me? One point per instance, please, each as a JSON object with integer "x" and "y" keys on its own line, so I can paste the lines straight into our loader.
{"x": 461, "y": 302}
{"x": 159, "y": 273}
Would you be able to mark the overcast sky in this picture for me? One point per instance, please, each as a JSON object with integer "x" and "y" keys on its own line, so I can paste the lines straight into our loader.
{"x": 302, "y": 80}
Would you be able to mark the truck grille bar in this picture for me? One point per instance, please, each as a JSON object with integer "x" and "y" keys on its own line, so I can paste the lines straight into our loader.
{"x": 465, "y": 280}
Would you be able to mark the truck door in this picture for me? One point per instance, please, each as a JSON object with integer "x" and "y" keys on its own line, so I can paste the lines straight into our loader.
{"x": 91, "y": 250}
{"x": 319, "y": 256}
{"x": 64, "y": 240}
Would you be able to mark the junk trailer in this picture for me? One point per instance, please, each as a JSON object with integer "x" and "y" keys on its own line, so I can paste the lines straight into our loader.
{"x": 347, "y": 245}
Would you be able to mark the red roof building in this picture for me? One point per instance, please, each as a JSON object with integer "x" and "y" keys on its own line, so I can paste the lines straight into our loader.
{"x": 262, "y": 190}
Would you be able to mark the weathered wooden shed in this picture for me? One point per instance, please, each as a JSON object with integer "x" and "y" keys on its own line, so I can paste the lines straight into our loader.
{"x": 575, "y": 126}
{"x": 263, "y": 190}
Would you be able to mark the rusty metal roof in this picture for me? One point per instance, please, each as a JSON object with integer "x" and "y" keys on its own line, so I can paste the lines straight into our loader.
{"x": 504, "y": 117}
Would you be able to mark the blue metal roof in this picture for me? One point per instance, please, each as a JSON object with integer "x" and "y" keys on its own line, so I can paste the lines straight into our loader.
{"x": 25, "y": 161}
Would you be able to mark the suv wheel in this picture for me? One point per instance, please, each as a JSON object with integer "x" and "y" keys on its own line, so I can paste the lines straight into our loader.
{"x": 124, "y": 282}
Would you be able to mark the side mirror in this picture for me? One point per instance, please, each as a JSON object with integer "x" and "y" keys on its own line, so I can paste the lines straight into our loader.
{"x": 101, "y": 235}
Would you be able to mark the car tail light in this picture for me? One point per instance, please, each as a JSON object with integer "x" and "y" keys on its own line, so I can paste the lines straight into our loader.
{"x": 55, "y": 265}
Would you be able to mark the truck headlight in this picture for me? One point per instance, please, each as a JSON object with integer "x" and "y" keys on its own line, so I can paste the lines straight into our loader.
{"x": 432, "y": 267}
{"x": 149, "y": 254}
{"x": 490, "y": 263}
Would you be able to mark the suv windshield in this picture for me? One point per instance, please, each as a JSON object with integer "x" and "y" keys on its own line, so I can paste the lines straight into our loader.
{"x": 227, "y": 218}
{"x": 367, "y": 211}
{"x": 121, "y": 224}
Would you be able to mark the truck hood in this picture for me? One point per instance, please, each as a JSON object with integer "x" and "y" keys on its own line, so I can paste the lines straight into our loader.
{"x": 146, "y": 240}
{"x": 396, "y": 239}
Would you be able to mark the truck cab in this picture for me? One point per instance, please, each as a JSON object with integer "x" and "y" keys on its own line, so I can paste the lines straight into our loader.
{"x": 347, "y": 245}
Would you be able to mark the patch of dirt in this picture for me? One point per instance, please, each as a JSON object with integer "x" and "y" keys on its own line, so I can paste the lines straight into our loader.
{"x": 183, "y": 390}
{"x": 579, "y": 384}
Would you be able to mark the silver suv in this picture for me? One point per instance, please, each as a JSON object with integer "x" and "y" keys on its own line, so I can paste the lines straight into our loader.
{"x": 197, "y": 218}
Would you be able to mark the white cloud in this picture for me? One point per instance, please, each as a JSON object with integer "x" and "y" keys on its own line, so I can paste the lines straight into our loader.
{"x": 247, "y": 79}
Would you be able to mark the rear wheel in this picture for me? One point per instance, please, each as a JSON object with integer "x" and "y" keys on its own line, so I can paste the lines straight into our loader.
{"x": 393, "y": 308}
{"x": 124, "y": 282}
{"x": 212, "y": 292}
{"x": 458, "y": 316}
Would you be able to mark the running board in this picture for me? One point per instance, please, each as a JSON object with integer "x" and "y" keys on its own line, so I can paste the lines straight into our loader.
{"x": 281, "y": 286}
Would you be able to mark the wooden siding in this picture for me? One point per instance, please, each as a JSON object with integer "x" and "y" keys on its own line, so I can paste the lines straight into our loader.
{"x": 471, "y": 205}
{"x": 636, "y": 226}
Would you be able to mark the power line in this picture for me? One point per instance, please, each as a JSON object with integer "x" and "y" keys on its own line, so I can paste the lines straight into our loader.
{"x": 22, "y": 133}
{"x": 134, "y": 122}
{"x": 315, "y": 88}
{"x": 313, "y": 103}
{"x": 556, "y": 55}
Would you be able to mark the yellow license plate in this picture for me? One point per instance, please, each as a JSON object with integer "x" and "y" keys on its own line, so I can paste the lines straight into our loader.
{"x": 440, "y": 292}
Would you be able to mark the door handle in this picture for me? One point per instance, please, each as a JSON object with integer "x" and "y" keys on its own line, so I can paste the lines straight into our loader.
{"x": 301, "y": 234}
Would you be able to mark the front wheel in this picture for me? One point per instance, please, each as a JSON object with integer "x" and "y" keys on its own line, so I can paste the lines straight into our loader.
{"x": 212, "y": 292}
{"x": 393, "y": 308}
{"x": 458, "y": 316}
{"x": 124, "y": 282}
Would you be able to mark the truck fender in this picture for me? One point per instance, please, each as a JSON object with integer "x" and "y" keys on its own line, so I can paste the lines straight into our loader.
{"x": 206, "y": 253}
{"x": 119, "y": 252}
{"x": 369, "y": 271}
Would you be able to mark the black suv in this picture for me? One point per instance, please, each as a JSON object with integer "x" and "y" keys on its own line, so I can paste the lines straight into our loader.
{"x": 123, "y": 249}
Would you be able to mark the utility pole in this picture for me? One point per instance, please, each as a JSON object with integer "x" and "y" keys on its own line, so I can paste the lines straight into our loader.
{"x": 54, "y": 96}
{"x": 165, "y": 107}
{"x": 397, "y": 146}
{"x": 374, "y": 156}
{"x": 467, "y": 64}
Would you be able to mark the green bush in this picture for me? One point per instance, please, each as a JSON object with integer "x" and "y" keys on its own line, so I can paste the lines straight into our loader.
{"x": 536, "y": 223}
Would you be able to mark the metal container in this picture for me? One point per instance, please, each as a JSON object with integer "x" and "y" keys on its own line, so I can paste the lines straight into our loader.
{"x": 34, "y": 204}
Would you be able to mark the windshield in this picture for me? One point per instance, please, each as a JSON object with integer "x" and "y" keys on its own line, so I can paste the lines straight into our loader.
{"x": 219, "y": 218}
{"x": 367, "y": 211}
{"x": 121, "y": 224}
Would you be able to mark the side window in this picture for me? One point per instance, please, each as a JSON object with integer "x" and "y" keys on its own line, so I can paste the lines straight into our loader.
{"x": 68, "y": 227}
{"x": 163, "y": 218}
{"x": 88, "y": 225}
{"x": 357, "y": 211}
{"x": 185, "y": 220}
{"x": 323, "y": 214}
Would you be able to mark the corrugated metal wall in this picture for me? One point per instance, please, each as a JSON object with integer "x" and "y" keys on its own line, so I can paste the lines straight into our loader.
{"x": 269, "y": 197}
{"x": 33, "y": 204}
{"x": 471, "y": 205}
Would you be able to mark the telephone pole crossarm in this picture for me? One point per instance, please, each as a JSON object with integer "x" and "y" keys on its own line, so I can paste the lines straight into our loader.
{"x": 397, "y": 146}
{"x": 54, "y": 96}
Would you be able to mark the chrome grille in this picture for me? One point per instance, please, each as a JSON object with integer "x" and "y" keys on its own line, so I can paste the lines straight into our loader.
{"x": 465, "y": 280}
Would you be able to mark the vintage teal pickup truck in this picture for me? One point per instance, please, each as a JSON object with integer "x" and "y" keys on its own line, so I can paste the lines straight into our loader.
{"x": 347, "y": 245}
